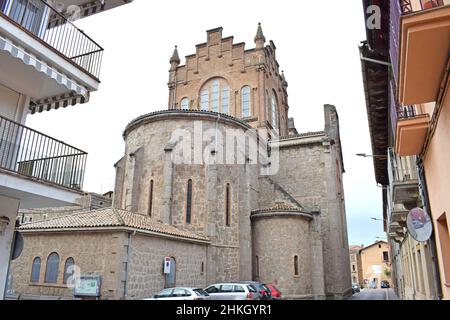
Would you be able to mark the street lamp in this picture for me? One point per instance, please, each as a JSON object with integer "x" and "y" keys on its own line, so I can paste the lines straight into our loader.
{"x": 363, "y": 155}
{"x": 376, "y": 219}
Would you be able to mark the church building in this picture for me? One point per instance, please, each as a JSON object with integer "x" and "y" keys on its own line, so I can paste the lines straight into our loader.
{"x": 221, "y": 185}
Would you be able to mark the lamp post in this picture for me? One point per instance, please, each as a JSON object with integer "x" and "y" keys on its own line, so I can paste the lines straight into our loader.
{"x": 363, "y": 155}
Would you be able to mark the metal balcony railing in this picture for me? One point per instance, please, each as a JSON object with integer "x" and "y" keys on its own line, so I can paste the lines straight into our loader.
{"x": 36, "y": 16}
{"x": 410, "y": 112}
{"x": 33, "y": 154}
{"x": 401, "y": 169}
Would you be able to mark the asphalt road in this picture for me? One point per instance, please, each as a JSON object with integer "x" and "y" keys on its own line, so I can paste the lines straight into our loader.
{"x": 375, "y": 294}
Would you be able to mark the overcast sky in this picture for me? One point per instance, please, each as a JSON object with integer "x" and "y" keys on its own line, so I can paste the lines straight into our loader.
{"x": 317, "y": 47}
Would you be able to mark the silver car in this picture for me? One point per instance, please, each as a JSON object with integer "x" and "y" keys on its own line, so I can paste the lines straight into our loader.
{"x": 181, "y": 293}
{"x": 233, "y": 291}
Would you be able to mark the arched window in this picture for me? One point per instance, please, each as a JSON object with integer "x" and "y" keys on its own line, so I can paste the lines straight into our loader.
{"x": 189, "y": 202}
{"x": 52, "y": 268}
{"x": 274, "y": 112}
{"x": 69, "y": 270}
{"x": 225, "y": 99}
{"x": 246, "y": 103}
{"x": 215, "y": 96}
{"x": 296, "y": 271}
{"x": 184, "y": 104}
{"x": 150, "y": 199}
{"x": 227, "y": 205}
{"x": 35, "y": 270}
{"x": 267, "y": 106}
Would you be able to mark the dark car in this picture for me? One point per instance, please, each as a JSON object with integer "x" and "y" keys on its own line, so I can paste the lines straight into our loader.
{"x": 274, "y": 292}
{"x": 385, "y": 284}
{"x": 356, "y": 288}
{"x": 263, "y": 290}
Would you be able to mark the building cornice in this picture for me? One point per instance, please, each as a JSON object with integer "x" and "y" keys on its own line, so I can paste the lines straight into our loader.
{"x": 185, "y": 114}
{"x": 111, "y": 230}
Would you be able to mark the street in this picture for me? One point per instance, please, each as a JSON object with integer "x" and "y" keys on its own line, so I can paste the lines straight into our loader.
{"x": 375, "y": 294}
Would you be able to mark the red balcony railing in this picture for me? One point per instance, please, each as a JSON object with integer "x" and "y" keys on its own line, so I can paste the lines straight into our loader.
{"x": 35, "y": 16}
{"x": 33, "y": 154}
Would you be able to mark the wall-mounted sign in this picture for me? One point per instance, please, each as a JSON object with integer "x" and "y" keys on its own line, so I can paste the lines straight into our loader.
{"x": 167, "y": 265}
{"x": 419, "y": 225}
{"x": 87, "y": 286}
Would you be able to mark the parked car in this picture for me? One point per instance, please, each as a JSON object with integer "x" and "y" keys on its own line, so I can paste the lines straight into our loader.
{"x": 233, "y": 291}
{"x": 263, "y": 290}
{"x": 356, "y": 288}
{"x": 385, "y": 284}
{"x": 274, "y": 292}
{"x": 181, "y": 293}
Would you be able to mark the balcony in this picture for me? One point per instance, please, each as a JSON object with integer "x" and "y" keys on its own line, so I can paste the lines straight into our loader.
{"x": 419, "y": 48}
{"x": 413, "y": 123}
{"x": 404, "y": 183}
{"x": 30, "y": 154}
{"x": 42, "y": 22}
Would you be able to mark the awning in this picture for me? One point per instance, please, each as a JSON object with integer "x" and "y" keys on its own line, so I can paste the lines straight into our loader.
{"x": 78, "y": 93}
{"x": 57, "y": 102}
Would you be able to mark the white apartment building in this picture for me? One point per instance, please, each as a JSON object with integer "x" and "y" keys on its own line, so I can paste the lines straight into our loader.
{"x": 46, "y": 63}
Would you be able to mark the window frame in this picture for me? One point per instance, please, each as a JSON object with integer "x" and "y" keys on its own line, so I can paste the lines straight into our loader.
{"x": 189, "y": 200}
{"x": 52, "y": 275}
{"x": 228, "y": 205}
{"x": 67, "y": 275}
{"x": 185, "y": 99}
{"x": 150, "y": 198}
{"x": 243, "y": 102}
{"x": 296, "y": 266}
{"x": 33, "y": 271}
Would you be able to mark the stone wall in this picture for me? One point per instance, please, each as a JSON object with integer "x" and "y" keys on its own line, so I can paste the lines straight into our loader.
{"x": 145, "y": 275}
{"x": 277, "y": 240}
{"x": 94, "y": 253}
{"x": 311, "y": 170}
{"x": 158, "y": 159}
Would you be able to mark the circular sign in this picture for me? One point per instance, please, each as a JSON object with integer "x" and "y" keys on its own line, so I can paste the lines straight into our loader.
{"x": 419, "y": 225}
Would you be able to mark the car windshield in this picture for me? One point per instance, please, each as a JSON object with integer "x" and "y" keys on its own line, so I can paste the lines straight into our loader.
{"x": 251, "y": 288}
{"x": 164, "y": 293}
{"x": 201, "y": 292}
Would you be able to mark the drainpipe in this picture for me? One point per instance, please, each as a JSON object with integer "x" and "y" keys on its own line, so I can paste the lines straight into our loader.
{"x": 127, "y": 268}
{"x": 432, "y": 241}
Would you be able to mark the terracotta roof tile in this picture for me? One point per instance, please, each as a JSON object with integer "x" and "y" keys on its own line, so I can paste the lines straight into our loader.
{"x": 109, "y": 217}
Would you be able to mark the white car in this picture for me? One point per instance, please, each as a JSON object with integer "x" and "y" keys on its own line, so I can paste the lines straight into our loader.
{"x": 181, "y": 293}
{"x": 233, "y": 291}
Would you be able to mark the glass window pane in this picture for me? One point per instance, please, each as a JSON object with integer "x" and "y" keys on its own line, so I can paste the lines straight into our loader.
{"x": 69, "y": 270}
{"x": 189, "y": 202}
{"x": 226, "y": 288}
{"x": 226, "y": 99}
{"x": 274, "y": 112}
{"x": 215, "y": 96}
{"x": 246, "y": 102}
{"x": 52, "y": 268}
{"x": 35, "y": 270}
{"x": 185, "y": 103}
{"x": 204, "y": 100}
{"x": 238, "y": 289}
